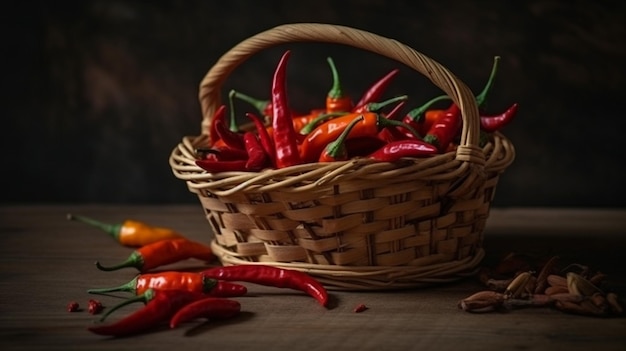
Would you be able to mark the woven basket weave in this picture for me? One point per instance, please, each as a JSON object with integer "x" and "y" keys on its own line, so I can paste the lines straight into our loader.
{"x": 357, "y": 224}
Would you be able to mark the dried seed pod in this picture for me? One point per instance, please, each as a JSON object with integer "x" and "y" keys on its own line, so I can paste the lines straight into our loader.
{"x": 552, "y": 290}
{"x": 597, "y": 278}
{"x": 580, "y": 286}
{"x": 519, "y": 285}
{"x": 482, "y": 301}
{"x": 536, "y": 300}
{"x": 614, "y": 305}
{"x": 567, "y": 297}
{"x": 542, "y": 278}
{"x": 557, "y": 280}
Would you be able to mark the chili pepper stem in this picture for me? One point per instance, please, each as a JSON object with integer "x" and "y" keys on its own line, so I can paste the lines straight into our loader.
{"x": 482, "y": 97}
{"x": 134, "y": 260}
{"x": 128, "y": 287}
{"x": 417, "y": 112}
{"x": 145, "y": 298}
{"x": 259, "y": 105}
{"x": 233, "y": 121}
{"x": 336, "y": 149}
{"x": 386, "y": 122}
{"x": 112, "y": 229}
{"x": 377, "y": 106}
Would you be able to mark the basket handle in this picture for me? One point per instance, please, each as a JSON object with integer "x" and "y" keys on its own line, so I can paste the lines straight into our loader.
{"x": 210, "y": 86}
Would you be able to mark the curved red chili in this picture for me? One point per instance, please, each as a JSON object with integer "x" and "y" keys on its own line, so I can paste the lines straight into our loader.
{"x": 376, "y": 91}
{"x": 257, "y": 158}
{"x": 230, "y": 138}
{"x": 494, "y": 123}
{"x": 222, "y": 166}
{"x": 264, "y": 137}
{"x": 285, "y": 139}
{"x": 271, "y": 276}
{"x": 209, "y": 307}
{"x": 219, "y": 115}
{"x": 336, "y": 100}
{"x": 161, "y": 305}
{"x": 395, "y": 150}
{"x": 418, "y": 118}
{"x": 444, "y": 129}
{"x": 161, "y": 253}
{"x": 175, "y": 280}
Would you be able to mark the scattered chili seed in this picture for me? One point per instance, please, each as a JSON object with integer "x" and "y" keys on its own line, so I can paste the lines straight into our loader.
{"x": 95, "y": 306}
{"x": 360, "y": 308}
{"x": 73, "y": 307}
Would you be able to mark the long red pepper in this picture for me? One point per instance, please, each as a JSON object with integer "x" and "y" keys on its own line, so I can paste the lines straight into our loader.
{"x": 222, "y": 153}
{"x": 264, "y": 137}
{"x": 161, "y": 253}
{"x": 176, "y": 280}
{"x": 161, "y": 306}
{"x": 494, "y": 123}
{"x": 337, "y": 100}
{"x": 222, "y": 166}
{"x": 336, "y": 150}
{"x": 285, "y": 139}
{"x": 230, "y": 138}
{"x": 395, "y": 150}
{"x": 219, "y": 115}
{"x": 257, "y": 158}
{"x": 376, "y": 91}
{"x": 209, "y": 307}
{"x": 271, "y": 276}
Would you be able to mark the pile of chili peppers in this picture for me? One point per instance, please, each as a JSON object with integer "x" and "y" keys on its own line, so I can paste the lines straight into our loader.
{"x": 340, "y": 129}
{"x": 175, "y": 297}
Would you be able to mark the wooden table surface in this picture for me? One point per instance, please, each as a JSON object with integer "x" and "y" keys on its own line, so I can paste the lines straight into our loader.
{"x": 48, "y": 261}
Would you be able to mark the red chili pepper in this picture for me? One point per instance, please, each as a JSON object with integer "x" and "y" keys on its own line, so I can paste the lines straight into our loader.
{"x": 264, "y": 136}
{"x": 444, "y": 130}
{"x": 360, "y": 308}
{"x": 394, "y": 132}
{"x": 257, "y": 158}
{"x": 271, "y": 276}
{"x": 376, "y": 91}
{"x": 395, "y": 150}
{"x": 161, "y": 305}
{"x": 222, "y": 166}
{"x": 73, "y": 307}
{"x": 209, "y": 307}
{"x": 222, "y": 153}
{"x": 285, "y": 139}
{"x": 175, "y": 280}
{"x": 314, "y": 143}
{"x": 336, "y": 100}
{"x": 492, "y": 124}
{"x": 336, "y": 150}
{"x": 161, "y": 253}
{"x": 94, "y": 306}
{"x": 421, "y": 118}
{"x": 230, "y": 138}
{"x": 219, "y": 115}
{"x": 363, "y": 146}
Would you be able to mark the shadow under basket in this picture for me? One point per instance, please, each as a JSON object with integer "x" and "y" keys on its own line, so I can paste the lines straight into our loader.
{"x": 356, "y": 224}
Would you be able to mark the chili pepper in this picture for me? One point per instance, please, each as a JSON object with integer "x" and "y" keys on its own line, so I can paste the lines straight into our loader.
{"x": 222, "y": 166}
{"x": 94, "y": 306}
{"x": 266, "y": 140}
{"x": 377, "y": 106}
{"x": 73, "y": 307}
{"x": 360, "y": 308}
{"x": 161, "y": 253}
{"x": 375, "y": 92}
{"x": 336, "y": 150}
{"x": 284, "y": 134}
{"x": 363, "y": 146}
{"x": 393, "y": 132}
{"x": 176, "y": 280}
{"x": 271, "y": 276}
{"x": 257, "y": 158}
{"x": 336, "y": 100}
{"x": 491, "y": 124}
{"x": 130, "y": 233}
{"x": 421, "y": 118}
{"x": 217, "y": 116}
{"x": 230, "y": 138}
{"x": 444, "y": 129}
{"x": 264, "y": 107}
{"x": 209, "y": 307}
{"x": 222, "y": 153}
{"x": 313, "y": 145}
{"x": 161, "y": 305}
{"x": 395, "y": 150}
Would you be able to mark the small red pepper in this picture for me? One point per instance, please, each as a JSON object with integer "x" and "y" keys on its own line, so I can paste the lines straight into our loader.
{"x": 376, "y": 91}
{"x": 271, "y": 276}
{"x": 73, "y": 307}
{"x": 336, "y": 100}
{"x": 336, "y": 150}
{"x": 161, "y": 253}
{"x": 257, "y": 158}
{"x": 219, "y": 115}
{"x": 222, "y": 166}
{"x": 494, "y": 123}
{"x": 175, "y": 280}
{"x": 230, "y": 138}
{"x": 360, "y": 308}
{"x": 209, "y": 307}
{"x": 395, "y": 150}
{"x": 161, "y": 305}
{"x": 444, "y": 129}
{"x": 264, "y": 136}
{"x": 222, "y": 153}
{"x": 94, "y": 306}
{"x": 285, "y": 139}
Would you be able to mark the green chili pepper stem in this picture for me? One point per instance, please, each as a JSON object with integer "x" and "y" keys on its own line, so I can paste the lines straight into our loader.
{"x": 335, "y": 92}
{"x": 416, "y": 113}
{"x": 260, "y": 105}
{"x": 233, "y": 121}
{"x": 111, "y": 229}
{"x": 131, "y": 286}
{"x": 321, "y": 118}
{"x": 335, "y": 147}
{"x": 208, "y": 284}
{"x": 145, "y": 298}
{"x": 134, "y": 260}
{"x": 481, "y": 99}
{"x": 385, "y": 122}
{"x": 377, "y": 106}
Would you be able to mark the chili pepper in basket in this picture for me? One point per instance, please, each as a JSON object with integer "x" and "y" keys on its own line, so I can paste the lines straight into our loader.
{"x": 421, "y": 118}
{"x": 264, "y": 137}
{"x": 230, "y": 138}
{"x": 394, "y": 150}
{"x": 264, "y": 107}
{"x": 221, "y": 153}
{"x": 209, "y": 307}
{"x": 161, "y": 253}
{"x": 285, "y": 139}
{"x": 160, "y": 306}
{"x": 336, "y": 100}
{"x": 130, "y": 233}
{"x": 376, "y": 91}
{"x": 494, "y": 123}
{"x": 444, "y": 129}
{"x": 395, "y": 133}
{"x": 372, "y": 123}
{"x": 257, "y": 158}
{"x": 212, "y": 166}
{"x": 336, "y": 150}
{"x": 176, "y": 280}
{"x": 219, "y": 114}
{"x": 271, "y": 276}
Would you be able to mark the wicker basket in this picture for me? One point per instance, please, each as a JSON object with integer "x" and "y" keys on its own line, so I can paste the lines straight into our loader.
{"x": 357, "y": 224}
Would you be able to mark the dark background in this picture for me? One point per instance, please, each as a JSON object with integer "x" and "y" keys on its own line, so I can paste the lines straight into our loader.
{"x": 97, "y": 93}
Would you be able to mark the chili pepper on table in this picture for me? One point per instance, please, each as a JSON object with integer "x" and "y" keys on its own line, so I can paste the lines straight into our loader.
{"x": 161, "y": 253}
{"x": 271, "y": 276}
{"x": 494, "y": 123}
{"x": 336, "y": 99}
{"x": 161, "y": 306}
{"x": 395, "y": 150}
{"x": 376, "y": 91}
{"x": 336, "y": 150}
{"x": 285, "y": 139}
{"x": 176, "y": 280}
{"x": 257, "y": 158}
{"x": 130, "y": 233}
{"x": 209, "y": 307}
{"x": 264, "y": 137}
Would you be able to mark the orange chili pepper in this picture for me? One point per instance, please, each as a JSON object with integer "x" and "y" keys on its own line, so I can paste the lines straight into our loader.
{"x": 336, "y": 100}
{"x": 131, "y": 233}
{"x": 337, "y": 150}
